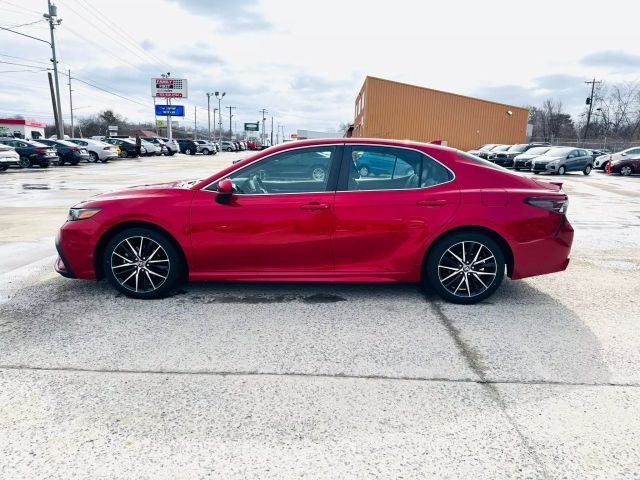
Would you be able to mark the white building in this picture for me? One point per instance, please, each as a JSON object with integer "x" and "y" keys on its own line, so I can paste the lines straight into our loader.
{"x": 307, "y": 134}
{"x": 15, "y": 127}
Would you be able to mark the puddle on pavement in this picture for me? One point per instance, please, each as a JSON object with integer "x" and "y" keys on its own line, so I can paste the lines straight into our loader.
{"x": 259, "y": 299}
{"x": 35, "y": 186}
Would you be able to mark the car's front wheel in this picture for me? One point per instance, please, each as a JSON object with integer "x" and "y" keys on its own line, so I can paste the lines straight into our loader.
{"x": 24, "y": 162}
{"x": 364, "y": 171}
{"x": 142, "y": 263}
{"x": 562, "y": 170}
{"x": 465, "y": 267}
{"x": 318, "y": 173}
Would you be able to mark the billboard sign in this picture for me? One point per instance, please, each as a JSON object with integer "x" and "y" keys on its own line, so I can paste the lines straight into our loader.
{"x": 169, "y": 87}
{"x": 251, "y": 127}
{"x": 170, "y": 110}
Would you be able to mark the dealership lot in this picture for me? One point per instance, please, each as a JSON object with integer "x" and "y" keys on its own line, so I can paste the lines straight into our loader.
{"x": 266, "y": 380}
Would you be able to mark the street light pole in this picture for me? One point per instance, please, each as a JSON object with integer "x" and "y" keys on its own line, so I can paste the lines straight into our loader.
{"x": 71, "y": 103}
{"x": 51, "y": 16}
{"x": 220, "y": 97}
{"x": 264, "y": 119}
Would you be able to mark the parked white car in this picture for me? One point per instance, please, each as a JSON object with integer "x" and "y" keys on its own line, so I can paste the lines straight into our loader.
{"x": 601, "y": 161}
{"x": 98, "y": 150}
{"x": 172, "y": 145}
{"x": 8, "y": 157}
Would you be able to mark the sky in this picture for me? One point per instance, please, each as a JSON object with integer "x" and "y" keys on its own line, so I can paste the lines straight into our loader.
{"x": 305, "y": 61}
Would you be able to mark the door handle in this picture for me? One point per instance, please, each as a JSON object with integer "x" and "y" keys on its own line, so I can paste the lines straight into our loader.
{"x": 432, "y": 202}
{"x": 315, "y": 206}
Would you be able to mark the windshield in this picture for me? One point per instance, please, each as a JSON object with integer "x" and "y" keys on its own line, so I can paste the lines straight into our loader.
{"x": 538, "y": 150}
{"x": 486, "y": 147}
{"x": 558, "y": 152}
{"x": 66, "y": 143}
{"x": 33, "y": 143}
{"x": 518, "y": 148}
{"x": 501, "y": 148}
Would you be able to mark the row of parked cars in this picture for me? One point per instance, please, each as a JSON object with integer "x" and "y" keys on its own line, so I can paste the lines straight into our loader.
{"x": 545, "y": 158}
{"x": 43, "y": 153}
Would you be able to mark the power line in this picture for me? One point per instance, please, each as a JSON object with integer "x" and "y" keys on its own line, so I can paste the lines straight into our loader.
{"x": 20, "y": 7}
{"x": 24, "y": 35}
{"x": 20, "y": 64}
{"x": 25, "y": 24}
{"x": 23, "y": 58}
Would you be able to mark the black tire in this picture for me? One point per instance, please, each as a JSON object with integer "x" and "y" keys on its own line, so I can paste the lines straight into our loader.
{"x": 229, "y": 149}
{"x": 205, "y": 151}
{"x": 587, "y": 170}
{"x": 3, "y": 168}
{"x": 516, "y": 169}
{"x": 187, "y": 151}
{"x": 481, "y": 285}
{"x": 562, "y": 170}
{"x": 94, "y": 157}
{"x": 169, "y": 264}
{"x": 536, "y": 173}
{"x": 626, "y": 170}
{"x": 24, "y": 162}
{"x": 74, "y": 162}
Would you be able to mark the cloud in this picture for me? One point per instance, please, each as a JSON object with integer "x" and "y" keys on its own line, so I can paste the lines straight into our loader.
{"x": 617, "y": 59}
{"x": 560, "y": 82}
{"x": 147, "y": 45}
{"x": 234, "y": 15}
{"x": 511, "y": 94}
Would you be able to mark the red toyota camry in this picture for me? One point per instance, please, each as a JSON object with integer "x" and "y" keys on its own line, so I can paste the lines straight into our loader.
{"x": 340, "y": 210}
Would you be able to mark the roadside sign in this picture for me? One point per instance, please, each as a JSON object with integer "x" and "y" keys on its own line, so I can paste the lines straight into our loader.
{"x": 161, "y": 123}
{"x": 294, "y": 136}
{"x": 170, "y": 110}
{"x": 251, "y": 127}
{"x": 113, "y": 129}
{"x": 169, "y": 87}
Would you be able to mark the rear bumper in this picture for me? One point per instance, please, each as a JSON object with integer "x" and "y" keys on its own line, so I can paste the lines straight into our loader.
{"x": 546, "y": 255}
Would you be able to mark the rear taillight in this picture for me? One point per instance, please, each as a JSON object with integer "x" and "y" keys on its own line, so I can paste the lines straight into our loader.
{"x": 552, "y": 204}
{"x": 40, "y": 150}
{"x": 74, "y": 149}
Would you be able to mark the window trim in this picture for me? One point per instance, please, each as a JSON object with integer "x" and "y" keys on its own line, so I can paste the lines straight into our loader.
{"x": 345, "y": 166}
{"x": 331, "y": 182}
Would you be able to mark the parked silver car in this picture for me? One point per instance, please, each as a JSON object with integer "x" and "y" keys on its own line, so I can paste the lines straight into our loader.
{"x": 523, "y": 161}
{"x": 8, "y": 157}
{"x": 561, "y": 160}
{"x": 172, "y": 145}
{"x": 98, "y": 151}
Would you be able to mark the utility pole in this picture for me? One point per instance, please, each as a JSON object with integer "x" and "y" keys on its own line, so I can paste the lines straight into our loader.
{"x": 220, "y": 97}
{"x": 278, "y": 134}
{"x": 230, "y": 117}
{"x": 71, "y": 103}
{"x": 53, "y": 101}
{"x": 214, "y": 123}
{"x": 209, "y": 114}
{"x": 195, "y": 122}
{"x": 51, "y": 16}
{"x": 272, "y": 130}
{"x": 590, "y": 103}
{"x": 264, "y": 119}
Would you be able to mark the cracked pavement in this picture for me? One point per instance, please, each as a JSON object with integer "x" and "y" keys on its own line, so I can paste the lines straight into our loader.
{"x": 262, "y": 380}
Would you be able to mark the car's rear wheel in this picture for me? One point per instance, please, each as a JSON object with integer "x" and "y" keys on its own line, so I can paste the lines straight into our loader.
{"x": 587, "y": 170}
{"x": 205, "y": 151}
{"x": 74, "y": 162}
{"x": 188, "y": 151}
{"x": 3, "y": 168}
{"x": 465, "y": 267}
{"x": 24, "y": 162}
{"x": 94, "y": 157}
{"x": 364, "y": 171}
{"x": 45, "y": 164}
{"x": 142, "y": 263}
{"x": 626, "y": 171}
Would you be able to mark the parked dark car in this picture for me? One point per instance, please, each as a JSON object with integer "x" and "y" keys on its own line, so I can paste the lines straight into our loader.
{"x": 506, "y": 158}
{"x": 494, "y": 151}
{"x": 127, "y": 146}
{"x": 68, "y": 152}
{"x": 627, "y": 166}
{"x": 478, "y": 152}
{"x": 523, "y": 161}
{"x": 561, "y": 160}
{"x": 189, "y": 147}
{"x": 31, "y": 152}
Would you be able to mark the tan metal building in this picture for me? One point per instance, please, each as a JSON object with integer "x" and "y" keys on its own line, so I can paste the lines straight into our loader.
{"x": 388, "y": 109}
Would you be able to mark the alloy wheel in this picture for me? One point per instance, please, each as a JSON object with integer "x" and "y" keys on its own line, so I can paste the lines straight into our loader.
{"x": 140, "y": 264}
{"x": 626, "y": 170}
{"x": 364, "y": 172}
{"x": 24, "y": 162}
{"x": 467, "y": 269}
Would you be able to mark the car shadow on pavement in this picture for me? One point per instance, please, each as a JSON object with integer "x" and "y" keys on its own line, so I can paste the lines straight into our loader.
{"x": 520, "y": 335}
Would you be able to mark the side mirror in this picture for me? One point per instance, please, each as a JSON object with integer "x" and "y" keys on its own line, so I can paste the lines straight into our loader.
{"x": 225, "y": 187}
{"x": 624, "y": 154}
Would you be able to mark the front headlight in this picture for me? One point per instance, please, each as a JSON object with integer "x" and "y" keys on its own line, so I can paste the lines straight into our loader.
{"x": 553, "y": 163}
{"x": 81, "y": 213}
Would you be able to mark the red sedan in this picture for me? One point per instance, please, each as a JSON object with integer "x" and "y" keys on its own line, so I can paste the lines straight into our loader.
{"x": 431, "y": 214}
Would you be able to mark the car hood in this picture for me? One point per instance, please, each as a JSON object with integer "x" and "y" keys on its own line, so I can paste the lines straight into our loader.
{"x": 138, "y": 192}
{"x": 547, "y": 159}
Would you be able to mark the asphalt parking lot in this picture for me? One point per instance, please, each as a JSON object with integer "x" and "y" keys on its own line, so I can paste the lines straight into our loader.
{"x": 254, "y": 380}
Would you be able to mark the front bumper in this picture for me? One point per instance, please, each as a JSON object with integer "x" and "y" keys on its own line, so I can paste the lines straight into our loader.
{"x": 75, "y": 243}
{"x": 544, "y": 167}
